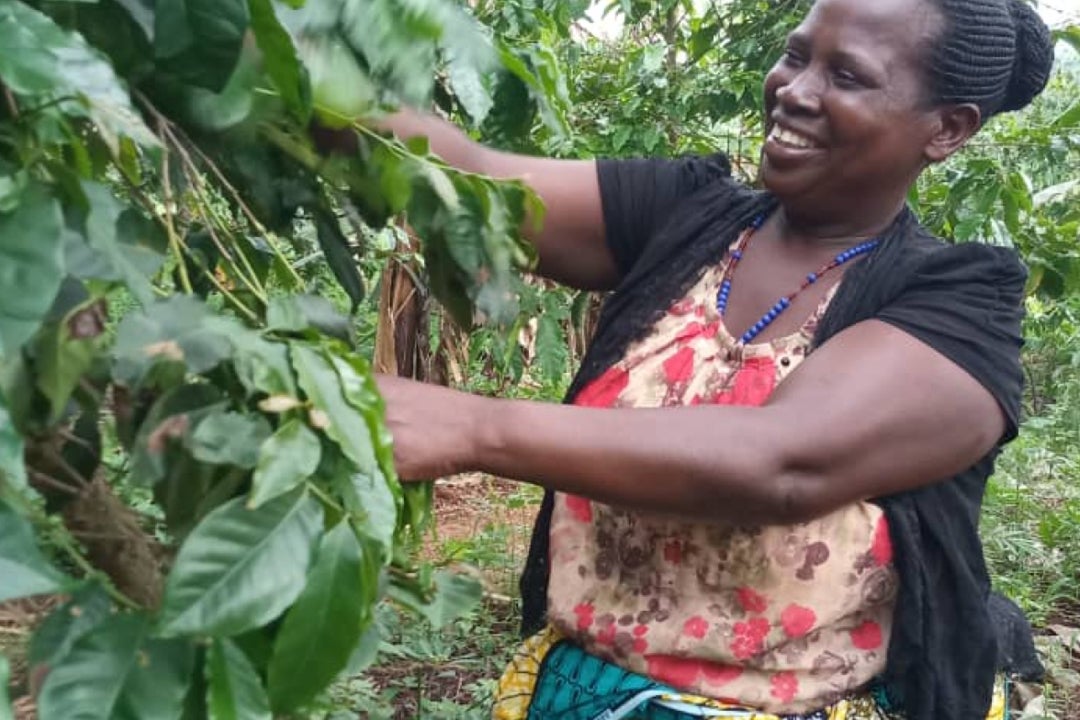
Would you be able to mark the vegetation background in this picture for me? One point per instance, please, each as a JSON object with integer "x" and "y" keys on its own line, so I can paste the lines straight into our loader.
{"x": 193, "y": 470}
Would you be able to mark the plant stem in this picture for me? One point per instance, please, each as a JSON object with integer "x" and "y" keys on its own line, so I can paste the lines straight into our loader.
{"x": 67, "y": 544}
{"x": 170, "y": 229}
{"x": 321, "y": 494}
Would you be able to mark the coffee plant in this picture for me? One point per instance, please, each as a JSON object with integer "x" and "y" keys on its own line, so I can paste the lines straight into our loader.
{"x": 166, "y": 170}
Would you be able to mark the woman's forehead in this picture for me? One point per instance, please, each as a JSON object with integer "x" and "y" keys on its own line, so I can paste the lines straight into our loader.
{"x": 895, "y": 24}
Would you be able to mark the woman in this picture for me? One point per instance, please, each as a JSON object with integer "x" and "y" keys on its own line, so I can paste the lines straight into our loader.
{"x": 765, "y": 491}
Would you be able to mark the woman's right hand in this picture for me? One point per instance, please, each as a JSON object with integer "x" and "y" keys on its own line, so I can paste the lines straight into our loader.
{"x": 571, "y": 241}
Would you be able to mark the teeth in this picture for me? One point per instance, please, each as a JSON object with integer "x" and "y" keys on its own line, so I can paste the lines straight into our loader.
{"x": 787, "y": 137}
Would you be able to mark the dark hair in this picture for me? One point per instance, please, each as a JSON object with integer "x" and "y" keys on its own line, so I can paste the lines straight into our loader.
{"x": 996, "y": 54}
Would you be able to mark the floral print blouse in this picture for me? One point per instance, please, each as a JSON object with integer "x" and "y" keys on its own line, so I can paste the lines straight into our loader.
{"x": 782, "y": 618}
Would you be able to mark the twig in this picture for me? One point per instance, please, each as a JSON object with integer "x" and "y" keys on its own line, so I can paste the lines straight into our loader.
{"x": 73, "y": 438}
{"x": 54, "y": 456}
{"x": 170, "y": 228}
{"x": 12, "y": 105}
{"x": 271, "y": 238}
{"x": 181, "y": 141}
{"x": 243, "y": 266}
{"x": 51, "y": 482}
{"x": 64, "y": 541}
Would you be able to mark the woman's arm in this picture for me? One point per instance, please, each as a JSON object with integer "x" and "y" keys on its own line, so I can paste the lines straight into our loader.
{"x": 872, "y": 412}
{"x": 571, "y": 243}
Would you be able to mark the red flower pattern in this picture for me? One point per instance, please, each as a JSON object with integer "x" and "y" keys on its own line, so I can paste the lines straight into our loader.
{"x": 696, "y": 627}
{"x": 718, "y": 674}
{"x": 797, "y": 620}
{"x": 752, "y": 601}
{"x": 679, "y": 367}
{"x": 882, "y": 549}
{"x": 579, "y": 507}
{"x": 754, "y": 383}
{"x": 676, "y": 671}
{"x": 749, "y": 638}
{"x": 585, "y": 613}
{"x": 784, "y": 686}
{"x": 604, "y": 390}
{"x": 867, "y": 636}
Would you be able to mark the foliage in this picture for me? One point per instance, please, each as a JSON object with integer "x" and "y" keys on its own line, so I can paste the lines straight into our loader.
{"x": 156, "y": 157}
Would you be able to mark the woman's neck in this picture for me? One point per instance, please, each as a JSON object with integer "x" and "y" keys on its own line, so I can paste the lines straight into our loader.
{"x": 821, "y": 228}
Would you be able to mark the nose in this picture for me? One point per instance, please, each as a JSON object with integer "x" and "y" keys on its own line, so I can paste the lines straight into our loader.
{"x": 801, "y": 94}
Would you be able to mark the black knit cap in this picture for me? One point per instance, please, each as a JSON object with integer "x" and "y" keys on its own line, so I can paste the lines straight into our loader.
{"x": 996, "y": 54}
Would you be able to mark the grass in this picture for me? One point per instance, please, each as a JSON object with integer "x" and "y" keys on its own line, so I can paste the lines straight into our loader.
{"x": 427, "y": 673}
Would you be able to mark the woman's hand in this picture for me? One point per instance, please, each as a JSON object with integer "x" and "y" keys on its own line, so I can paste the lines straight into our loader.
{"x": 434, "y": 428}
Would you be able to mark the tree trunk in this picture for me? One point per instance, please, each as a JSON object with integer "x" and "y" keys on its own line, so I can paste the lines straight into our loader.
{"x": 401, "y": 336}
{"x": 114, "y": 541}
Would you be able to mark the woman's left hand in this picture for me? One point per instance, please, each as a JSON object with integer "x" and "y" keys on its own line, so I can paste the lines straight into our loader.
{"x": 434, "y": 428}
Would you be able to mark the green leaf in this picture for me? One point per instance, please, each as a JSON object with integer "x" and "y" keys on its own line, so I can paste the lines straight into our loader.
{"x": 553, "y": 356}
{"x": 289, "y": 457}
{"x": 5, "y": 700}
{"x": 130, "y": 246}
{"x": 41, "y": 60}
{"x": 240, "y": 568}
{"x": 323, "y": 628}
{"x": 282, "y": 64}
{"x": 217, "y": 111}
{"x": 31, "y": 262}
{"x": 299, "y": 313}
{"x": 116, "y": 672}
{"x": 361, "y": 392}
{"x": 373, "y": 506}
{"x": 344, "y": 424}
{"x": 180, "y": 329}
{"x": 1069, "y": 118}
{"x": 440, "y": 184}
{"x": 339, "y": 257}
{"x": 263, "y": 366}
{"x": 470, "y": 64}
{"x": 538, "y": 68}
{"x": 366, "y": 652}
{"x": 11, "y": 190}
{"x": 12, "y": 466}
{"x": 53, "y": 639}
{"x": 24, "y": 570}
{"x": 451, "y": 596}
{"x": 142, "y": 12}
{"x": 167, "y": 424}
{"x": 1069, "y": 34}
{"x": 341, "y": 90}
{"x": 229, "y": 438}
{"x": 398, "y": 43}
{"x": 199, "y": 41}
{"x": 234, "y": 690}
{"x": 67, "y": 349}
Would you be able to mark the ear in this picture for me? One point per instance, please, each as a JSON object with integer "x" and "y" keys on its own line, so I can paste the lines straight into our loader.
{"x": 954, "y": 126}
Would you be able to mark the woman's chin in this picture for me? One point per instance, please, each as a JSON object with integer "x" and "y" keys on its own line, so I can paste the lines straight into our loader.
{"x": 786, "y": 186}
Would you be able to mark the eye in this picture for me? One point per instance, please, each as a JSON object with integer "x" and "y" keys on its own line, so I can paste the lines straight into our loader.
{"x": 846, "y": 78}
{"x": 793, "y": 58}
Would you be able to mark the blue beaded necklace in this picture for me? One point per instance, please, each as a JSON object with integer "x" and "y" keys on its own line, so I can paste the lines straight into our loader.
{"x": 735, "y": 254}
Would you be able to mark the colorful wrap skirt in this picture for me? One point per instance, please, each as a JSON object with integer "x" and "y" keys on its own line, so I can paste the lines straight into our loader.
{"x": 551, "y": 678}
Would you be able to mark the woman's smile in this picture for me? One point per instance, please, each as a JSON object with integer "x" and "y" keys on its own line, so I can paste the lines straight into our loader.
{"x": 786, "y": 147}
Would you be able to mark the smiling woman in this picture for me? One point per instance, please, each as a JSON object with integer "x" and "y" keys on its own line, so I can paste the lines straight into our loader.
{"x": 763, "y": 492}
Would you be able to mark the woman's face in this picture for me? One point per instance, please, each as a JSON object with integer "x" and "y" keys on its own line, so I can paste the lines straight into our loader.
{"x": 846, "y": 110}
